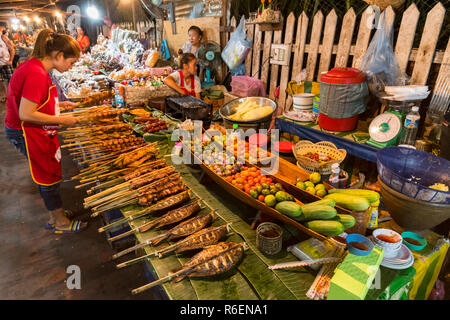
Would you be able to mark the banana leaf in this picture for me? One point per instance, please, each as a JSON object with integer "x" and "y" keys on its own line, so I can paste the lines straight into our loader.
{"x": 251, "y": 279}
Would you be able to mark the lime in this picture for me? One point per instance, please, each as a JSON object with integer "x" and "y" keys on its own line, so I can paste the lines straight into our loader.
{"x": 281, "y": 196}
{"x": 270, "y": 200}
{"x": 311, "y": 190}
{"x": 320, "y": 186}
{"x": 309, "y": 184}
{"x": 315, "y": 177}
{"x": 321, "y": 193}
{"x": 301, "y": 185}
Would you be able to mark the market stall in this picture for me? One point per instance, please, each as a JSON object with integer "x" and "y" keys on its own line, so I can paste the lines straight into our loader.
{"x": 224, "y": 225}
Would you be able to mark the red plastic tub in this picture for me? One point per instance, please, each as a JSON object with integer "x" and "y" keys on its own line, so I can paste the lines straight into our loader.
{"x": 339, "y": 125}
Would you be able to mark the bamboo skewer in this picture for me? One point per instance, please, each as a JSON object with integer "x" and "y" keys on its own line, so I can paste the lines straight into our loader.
{"x": 180, "y": 272}
{"x": 138, "y": 215}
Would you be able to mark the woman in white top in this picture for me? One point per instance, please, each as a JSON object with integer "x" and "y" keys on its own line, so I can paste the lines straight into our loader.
{"x": 6, "y": 59}
{"x": 185, "y": 81}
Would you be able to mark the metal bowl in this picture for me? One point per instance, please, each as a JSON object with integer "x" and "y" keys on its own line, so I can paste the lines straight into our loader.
{"x": 229, "y": 109}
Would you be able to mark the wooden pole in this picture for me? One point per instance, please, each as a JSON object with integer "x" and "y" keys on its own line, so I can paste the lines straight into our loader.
{"x": 133, "y": 8}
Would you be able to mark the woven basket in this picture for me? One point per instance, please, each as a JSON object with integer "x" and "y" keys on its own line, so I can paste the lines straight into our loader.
{"x": 383, "y": 4}
{"x": 323, "y": 147}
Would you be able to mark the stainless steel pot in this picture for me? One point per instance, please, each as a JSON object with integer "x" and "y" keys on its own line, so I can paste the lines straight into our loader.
{"x": 230, "y": 108}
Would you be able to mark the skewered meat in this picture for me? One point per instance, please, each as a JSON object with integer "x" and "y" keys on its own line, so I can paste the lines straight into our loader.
{"x": 145, "y": 120}
{"x": 143, "y": 170}
{"x": 170, "y": 189}
{"x": 213, "y": 260}
{"x": 185, "y": 228}
{"x": 198, "y": 240}
{"x": 173, "y": 216}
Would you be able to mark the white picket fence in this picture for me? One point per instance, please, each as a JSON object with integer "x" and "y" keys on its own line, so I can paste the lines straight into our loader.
{"x": 316, "y": 56}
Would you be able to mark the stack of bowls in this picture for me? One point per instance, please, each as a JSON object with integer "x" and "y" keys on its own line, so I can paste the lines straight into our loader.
{"x": 391, "y": 249}
{"x": 303, "y": 102}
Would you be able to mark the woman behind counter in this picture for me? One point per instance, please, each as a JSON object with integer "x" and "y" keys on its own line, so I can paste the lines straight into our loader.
{"x": 195, "y": 41}
{"x": 185, "y": 81}
{"x": 32, "y": 120}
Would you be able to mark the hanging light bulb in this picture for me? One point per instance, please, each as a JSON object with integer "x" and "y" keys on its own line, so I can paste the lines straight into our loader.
{"x": 37, "y": 19}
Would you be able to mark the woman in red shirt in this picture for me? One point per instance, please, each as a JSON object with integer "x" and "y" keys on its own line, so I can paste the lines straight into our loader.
{"x": 32, "y": 119}
{"x": 83, "y": 40}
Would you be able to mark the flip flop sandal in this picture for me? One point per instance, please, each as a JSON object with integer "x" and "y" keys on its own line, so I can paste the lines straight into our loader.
{"x": 69, "y": 214}
{"x": 74, "y": 227}
{"x": 49, "y": 226}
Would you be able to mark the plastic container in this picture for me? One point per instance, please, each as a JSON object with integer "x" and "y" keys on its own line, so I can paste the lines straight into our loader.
{"x": 342, "y": 99}
{"x": 362, "y": 219}
{"x": 316, "y": 105}
{"x": 258, "y": 139}
{"x": 411, "y": 172}
{"x": 352, "y": 238}
{"x": 339, "y": 125}
{"x": 244, "y": 86}
{"x": 303, "y": 101}
{"x": 415, "y": 236}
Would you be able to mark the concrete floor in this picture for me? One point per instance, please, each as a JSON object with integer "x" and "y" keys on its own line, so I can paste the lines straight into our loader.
{"x": 33, "y": 261}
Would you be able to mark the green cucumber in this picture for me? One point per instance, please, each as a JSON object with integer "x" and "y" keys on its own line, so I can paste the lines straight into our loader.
{"x": 289, "y": 208}
{"x": 371, "y": 196}
{"x": 326, "y": 227}
{"x": 348, "y": 221}
{"x": 325, "y": 202}
{"x": 318, "y": 212}
{"x": 349, "y": 202}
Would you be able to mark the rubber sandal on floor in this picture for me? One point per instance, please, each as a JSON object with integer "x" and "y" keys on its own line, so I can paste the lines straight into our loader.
{"x": 49, "y": 226}
{"x": 74, "y": 227}
{"x": 69, "y": 214}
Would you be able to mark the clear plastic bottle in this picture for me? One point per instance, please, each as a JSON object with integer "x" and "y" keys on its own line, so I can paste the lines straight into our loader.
{"x": 411, "y": 127}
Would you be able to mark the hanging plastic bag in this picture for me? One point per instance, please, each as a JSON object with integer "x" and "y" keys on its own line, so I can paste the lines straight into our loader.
{"x": 379, "y": 62}
{"x": 164, "y": 50}
{"x": 237, "y": 48}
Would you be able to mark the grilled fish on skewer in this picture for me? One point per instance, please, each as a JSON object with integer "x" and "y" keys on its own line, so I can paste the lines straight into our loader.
{"x": 185, "y": 228}
{"x": 171, "y": 217}
{"x": 198, "y": 240}
{"x": 201, "y": 239}
{"x": 213, "y": 260}
{"x": 161, "y": 206}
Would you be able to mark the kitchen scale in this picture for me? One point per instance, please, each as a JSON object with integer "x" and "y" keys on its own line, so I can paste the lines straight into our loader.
{"x": 386, "y": 129}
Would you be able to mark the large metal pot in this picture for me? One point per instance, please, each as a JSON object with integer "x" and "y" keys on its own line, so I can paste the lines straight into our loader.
{"x": 230, "y": 108}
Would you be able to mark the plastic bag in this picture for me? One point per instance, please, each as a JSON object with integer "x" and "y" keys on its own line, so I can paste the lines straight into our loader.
{"x": 152, "y": 58}
{"x": 164, "y": 50}
{"x": 237, "y": 48}
{"x": 379, "y": 62}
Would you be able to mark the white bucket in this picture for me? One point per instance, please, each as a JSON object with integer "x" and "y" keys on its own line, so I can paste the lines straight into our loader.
{"x": 303, "y": 101}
